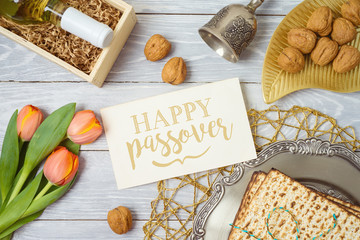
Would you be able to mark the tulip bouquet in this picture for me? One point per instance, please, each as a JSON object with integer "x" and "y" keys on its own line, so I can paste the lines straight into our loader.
{"x": 25, "y": 190}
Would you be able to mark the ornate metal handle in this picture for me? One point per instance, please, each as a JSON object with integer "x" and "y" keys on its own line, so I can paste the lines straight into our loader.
{"x": 254, "y": 4}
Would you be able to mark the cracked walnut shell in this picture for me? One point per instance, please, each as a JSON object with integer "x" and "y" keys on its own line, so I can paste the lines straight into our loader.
{"x": 320, "y": 21}
{"x": 291, "y": 60}
{"x": 156, "y": 48}
{"x": 174, "y": 71}
{"x": 120, "y": 220}
{"x": 351, "y": 11}
{"x": 343, "y": 31}
{"x": 347, "y": 59}
{"x": 325, "y": 51}
{"x": 302, "y": 39}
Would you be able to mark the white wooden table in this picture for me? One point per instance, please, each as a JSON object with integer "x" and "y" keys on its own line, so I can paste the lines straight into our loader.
{"x": 26, "y": 78}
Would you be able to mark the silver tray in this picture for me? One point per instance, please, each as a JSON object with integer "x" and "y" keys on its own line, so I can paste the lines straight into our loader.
{"x": 329, "y": 168}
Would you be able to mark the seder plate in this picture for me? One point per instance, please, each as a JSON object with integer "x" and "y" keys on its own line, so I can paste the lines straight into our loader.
{"x": 329, "y": 168}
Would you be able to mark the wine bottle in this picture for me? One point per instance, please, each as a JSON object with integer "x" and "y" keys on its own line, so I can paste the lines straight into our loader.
{"x": 59, "y": 14}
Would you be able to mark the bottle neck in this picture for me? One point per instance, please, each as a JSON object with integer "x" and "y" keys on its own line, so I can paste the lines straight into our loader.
{"x": 54, "y": 11}
{"x": 254, "y": 4}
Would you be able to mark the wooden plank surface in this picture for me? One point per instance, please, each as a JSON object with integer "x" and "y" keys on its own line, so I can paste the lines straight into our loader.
{"x": 26, "y": 78}
{"x": 79, "y": 230}
{"x": 269, "y": 7}
{"x": 50, "y": 96}
{"x": 204, "y": 65}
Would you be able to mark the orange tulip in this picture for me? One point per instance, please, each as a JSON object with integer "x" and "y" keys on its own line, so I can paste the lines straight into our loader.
{"x": 61, "y": 166}
{"x": 84, "y": 128}
{"x": 28, "y": 120}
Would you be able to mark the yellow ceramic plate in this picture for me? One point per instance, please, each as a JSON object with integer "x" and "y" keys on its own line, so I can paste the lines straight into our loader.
{"x": 277, "y": 83}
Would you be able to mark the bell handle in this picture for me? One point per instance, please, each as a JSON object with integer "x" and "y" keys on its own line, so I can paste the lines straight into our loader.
{"x": 254, "y": 4}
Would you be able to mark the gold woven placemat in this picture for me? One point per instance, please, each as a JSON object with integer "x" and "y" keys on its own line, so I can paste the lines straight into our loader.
{"x": 173, "y": 212}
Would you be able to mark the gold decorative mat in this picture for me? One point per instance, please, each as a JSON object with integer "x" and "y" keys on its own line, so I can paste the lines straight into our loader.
{"x": 173, "y": 212}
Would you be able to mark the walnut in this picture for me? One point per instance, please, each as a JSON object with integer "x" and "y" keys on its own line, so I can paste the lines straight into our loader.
{"x": 156, "y": 48}
{"x": 120, "y": 220}
{"x": 343, "y": 31}
{"x": 291, "y": 60}
{"x": 174, "y": 71}
{"x": 351, "y": 11}
{"x": 302, "y": 39}
{"x": 320, "y": 21}
{"x": 325, "y": 51}
{"x": 347, "y": 59}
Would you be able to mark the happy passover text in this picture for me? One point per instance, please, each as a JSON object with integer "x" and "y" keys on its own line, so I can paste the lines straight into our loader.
{"x": 172, "y": 142}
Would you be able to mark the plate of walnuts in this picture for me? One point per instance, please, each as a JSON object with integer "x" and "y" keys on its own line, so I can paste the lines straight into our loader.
{"x": 315, "y": 46}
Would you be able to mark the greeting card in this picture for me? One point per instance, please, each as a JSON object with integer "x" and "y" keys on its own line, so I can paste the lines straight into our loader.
{"x": 178, "y": 133}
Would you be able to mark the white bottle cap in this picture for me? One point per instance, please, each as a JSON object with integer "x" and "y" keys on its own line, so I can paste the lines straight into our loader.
{"x": 87, "y": 28}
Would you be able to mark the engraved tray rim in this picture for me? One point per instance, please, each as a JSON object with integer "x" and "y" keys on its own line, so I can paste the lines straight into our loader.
{"x": 309, "y": 146}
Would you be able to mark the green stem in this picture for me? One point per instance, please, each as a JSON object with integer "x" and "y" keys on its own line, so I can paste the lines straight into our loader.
{"x": 44, "y": 190}
{"x": 18, "y": 185}
{"x": 21, "y": 143}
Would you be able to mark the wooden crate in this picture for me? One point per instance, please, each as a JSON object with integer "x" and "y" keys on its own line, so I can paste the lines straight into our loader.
{"x": 108, "y": 55}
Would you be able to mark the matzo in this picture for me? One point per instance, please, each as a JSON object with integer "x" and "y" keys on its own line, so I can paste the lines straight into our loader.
{"x": 313, "y": 212}
{"x": 258, "y": 178}
{"x": 255, "y": 182}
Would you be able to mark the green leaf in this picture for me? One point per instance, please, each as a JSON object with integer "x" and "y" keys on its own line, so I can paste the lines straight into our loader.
{"x": 48, "y": 136}
{"x": 9, "y": 159}
{"x": 19, "y": 223}
{"x": 71, "y": 146}
{"x": 8, "y": 237}
{"x": 16, "y": 179}
{"x": 43, "y": 202}
{"x": 16, "y": 208}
